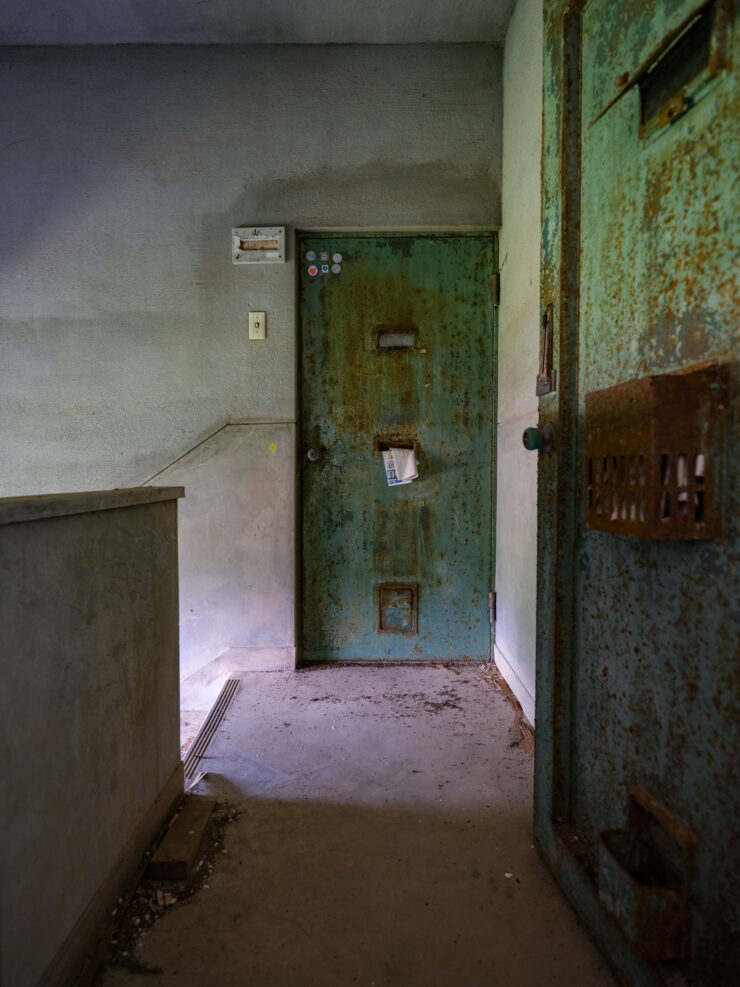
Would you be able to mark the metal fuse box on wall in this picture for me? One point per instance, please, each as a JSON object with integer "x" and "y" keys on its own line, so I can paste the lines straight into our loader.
{"x": 654, "y": 456}
{"x": 258, "y": 245}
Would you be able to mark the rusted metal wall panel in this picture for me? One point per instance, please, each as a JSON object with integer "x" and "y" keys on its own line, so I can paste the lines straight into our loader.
{"x": 430, "y": 541}
{"x": 640, "y": 257}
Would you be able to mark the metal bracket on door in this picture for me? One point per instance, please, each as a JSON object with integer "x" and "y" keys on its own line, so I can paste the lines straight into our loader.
{"x": 547, "y": 377}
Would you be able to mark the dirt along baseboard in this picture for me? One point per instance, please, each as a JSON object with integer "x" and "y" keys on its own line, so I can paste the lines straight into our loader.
{"x": 522, "y": 731}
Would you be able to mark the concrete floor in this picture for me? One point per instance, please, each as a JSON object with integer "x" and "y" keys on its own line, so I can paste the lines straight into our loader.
{"x": 383, "y": 839}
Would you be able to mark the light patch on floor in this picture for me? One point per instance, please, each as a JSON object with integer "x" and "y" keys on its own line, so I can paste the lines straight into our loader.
{"x": 191, "y": 720}
{"x": 383, "y": 839}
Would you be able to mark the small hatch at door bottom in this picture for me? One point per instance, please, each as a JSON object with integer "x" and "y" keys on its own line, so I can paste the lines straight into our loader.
{"x": 398, "y": 607}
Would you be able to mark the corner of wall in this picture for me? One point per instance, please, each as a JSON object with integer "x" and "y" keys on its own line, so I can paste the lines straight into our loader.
{"x": 516, "y": 495}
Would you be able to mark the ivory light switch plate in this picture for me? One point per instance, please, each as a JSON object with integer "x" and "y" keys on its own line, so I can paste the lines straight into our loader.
{"x": 257, "y": 325}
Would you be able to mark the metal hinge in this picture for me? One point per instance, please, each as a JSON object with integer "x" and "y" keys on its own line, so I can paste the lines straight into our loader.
{"x": 492, "y": 606}
{"x": 496, "y": 288}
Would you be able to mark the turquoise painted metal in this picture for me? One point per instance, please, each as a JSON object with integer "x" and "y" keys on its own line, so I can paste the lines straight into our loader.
{"x": 397, "y": 350}
{"x": 638, "y": 646}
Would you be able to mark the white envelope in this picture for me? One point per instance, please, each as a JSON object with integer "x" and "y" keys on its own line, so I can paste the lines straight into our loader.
{"x": 400, "y": 466}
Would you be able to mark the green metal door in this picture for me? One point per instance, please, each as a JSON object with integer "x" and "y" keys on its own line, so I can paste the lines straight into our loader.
{"x": 638, "y": 691}
{"x": 397, "y": 351}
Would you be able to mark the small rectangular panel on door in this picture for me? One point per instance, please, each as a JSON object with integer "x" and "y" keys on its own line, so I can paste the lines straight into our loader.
{"x": 397, "y": 351}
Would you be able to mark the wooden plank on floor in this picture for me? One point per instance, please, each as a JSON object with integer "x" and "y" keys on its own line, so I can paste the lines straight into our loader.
{"x": 174, "y": 857}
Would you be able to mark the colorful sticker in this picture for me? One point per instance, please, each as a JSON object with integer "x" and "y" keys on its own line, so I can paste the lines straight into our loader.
{"x": 323, "y": 255}
{"x": 312, "y": 270}
{"x": 337, "y": 258}
{"x": 324, "y": 268}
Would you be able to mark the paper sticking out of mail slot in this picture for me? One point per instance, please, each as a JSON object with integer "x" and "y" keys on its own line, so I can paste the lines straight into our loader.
{"x": 400, "y": 466}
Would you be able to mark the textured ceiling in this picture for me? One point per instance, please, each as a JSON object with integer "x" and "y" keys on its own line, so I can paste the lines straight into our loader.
{"x": 49, "y": 22}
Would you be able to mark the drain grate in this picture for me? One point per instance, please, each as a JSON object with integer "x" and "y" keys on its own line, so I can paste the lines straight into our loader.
{"x": 207, "y": 732}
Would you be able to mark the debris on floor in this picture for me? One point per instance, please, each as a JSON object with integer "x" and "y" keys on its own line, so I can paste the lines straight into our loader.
{"x": 522, "y": 731}
{"x": 152, "y": 898}
{"x": 377, "y": 851}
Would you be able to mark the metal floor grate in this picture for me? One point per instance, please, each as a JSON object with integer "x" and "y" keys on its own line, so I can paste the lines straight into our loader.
{"x": 205, "y": 735}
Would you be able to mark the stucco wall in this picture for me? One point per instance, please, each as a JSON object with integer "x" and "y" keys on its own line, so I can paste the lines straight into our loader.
{"x": 123, "y": 329}
{"x": 123, "y": 323}
{"x": 236, "y": 558}
{"x": 516, "y": 548}
{"x": 123, "y": 170}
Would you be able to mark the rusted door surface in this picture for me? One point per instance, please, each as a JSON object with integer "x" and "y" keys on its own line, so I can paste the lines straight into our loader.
{"x": 397, "y": 350}
{"x": 638, "y": 690}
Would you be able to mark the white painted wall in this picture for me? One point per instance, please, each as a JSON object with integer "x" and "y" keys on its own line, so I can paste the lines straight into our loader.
{"x": 123, "y": 170}
{"x": 123, "y": 322}
{"x": 516, "y": 548}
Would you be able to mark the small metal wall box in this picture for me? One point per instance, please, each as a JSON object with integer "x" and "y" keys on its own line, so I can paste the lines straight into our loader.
{"x": 654, "y": 456}
{"x": 258, "y": 245}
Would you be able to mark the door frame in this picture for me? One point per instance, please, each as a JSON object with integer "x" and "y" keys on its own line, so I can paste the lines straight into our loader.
{"x": 559, "y": 490}
{"x": 560, "y": 494}
{"x": 368, "y": 232}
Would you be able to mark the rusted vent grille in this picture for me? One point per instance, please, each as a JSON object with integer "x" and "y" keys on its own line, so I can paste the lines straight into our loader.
{"x": 654, "y": 456}
{"x": 616, "y": 487}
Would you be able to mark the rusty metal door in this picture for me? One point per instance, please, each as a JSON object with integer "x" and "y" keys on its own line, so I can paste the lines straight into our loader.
{"x": 397, "y": 351}
{"x": 638, "y": 688}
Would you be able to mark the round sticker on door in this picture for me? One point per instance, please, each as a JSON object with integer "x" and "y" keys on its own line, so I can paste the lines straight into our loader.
{"x": 311, "y": 255}
{"x": 336, "y": 268}
{"x": 337, "y": 258}
{"x": 312, "y": 270}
